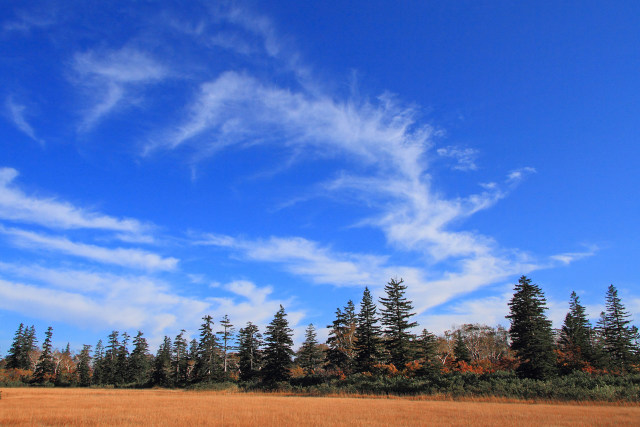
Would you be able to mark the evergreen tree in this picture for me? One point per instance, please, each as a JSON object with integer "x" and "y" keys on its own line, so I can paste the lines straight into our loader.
{"x": 460, "y": 350}
{"x": 575, "y": 343}
{"x": 139, "y": 363}
{"x": 28, "y": 348}
{"x": 207, "y": 367}
{"x": 395, "y": 320}
{"x": 84, "y": 366}
{"x": 45, "y": 368}
{"x": 14, "y": 356}
{"x": 122, "y": 360}
{"x": 427, "y": 353}
{"x": 249, "y": 354}
{"x": 341, "y": 341}
{"x": 226, "y": 338}
{"x": 110, "y": 360}
{"x": 180, "y": 359}
{"x": 368, "y": 335}
{"x": 277, "y": 352}
{"x": 98, "y": 364}
{"x": 310, "y": 356}
{"x": 619, "y": 336}
{"x": 531, "y": 334}
{"x": 161, "y": 375}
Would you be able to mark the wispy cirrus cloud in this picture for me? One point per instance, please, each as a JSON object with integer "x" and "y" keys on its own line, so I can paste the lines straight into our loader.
{"x": 16, "y": 113}
{"x": 17, "y": 206}
{"x": 465, "y": 157}
{"x": 109, "y": 76}
{"x": 125, "y": 257}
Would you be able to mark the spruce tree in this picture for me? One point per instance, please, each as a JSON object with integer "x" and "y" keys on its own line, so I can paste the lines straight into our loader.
{"x": 395, "y": 319}
{"x": 121, "y": 374}
{"x": 84, "y": 366}
{"x": 368, "y": 335}
{"x": 619, "y": 336}
{"x": 110, "y": 360}
{"x": 139, "y": 363}
{"x": 207, "y": 368}
{"x": 226, "y": 340}
{"x": 162, "y": 371}
{"x": 277, "y": 352}
{"x": 427, "y": 353}
{"x": 98, "y": 364}
{"x": 460, "y": 350}
{"x": 14, "y": 356}
{"x": 341, "y": 341}
{"x": 531, "y": 334}
{"x": 249, "y": 354}
{"x": 310, "y": 356}
{"x": 575, "y": 341}
{"x": 180, "y": 359}
{"x": 45, "y": 368}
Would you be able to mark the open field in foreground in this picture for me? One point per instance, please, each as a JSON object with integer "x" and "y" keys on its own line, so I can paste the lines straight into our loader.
{"x": 71, "y": 407}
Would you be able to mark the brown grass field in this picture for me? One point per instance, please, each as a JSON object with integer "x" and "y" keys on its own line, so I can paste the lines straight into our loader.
{"x": 88, "y": 407}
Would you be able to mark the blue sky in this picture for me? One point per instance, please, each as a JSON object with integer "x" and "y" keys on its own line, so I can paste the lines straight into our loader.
{"x": 161, "y": 162}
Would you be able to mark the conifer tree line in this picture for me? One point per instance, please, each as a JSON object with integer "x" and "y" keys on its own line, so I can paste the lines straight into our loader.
{"x": 371, "y": 340}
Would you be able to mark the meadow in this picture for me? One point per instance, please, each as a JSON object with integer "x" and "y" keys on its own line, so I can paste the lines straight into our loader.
{"x": 157, "y": 407}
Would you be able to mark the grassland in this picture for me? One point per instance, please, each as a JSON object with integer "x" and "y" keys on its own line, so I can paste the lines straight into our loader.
{"x": 87, "y": 407}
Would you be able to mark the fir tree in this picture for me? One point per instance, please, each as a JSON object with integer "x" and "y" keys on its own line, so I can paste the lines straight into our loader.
{"x": 15, "y": 355}
{"x": 575, "y": 343}
{"x": 110, "y": 360}
{"x": 277, "y": 352}
{"x": 139, "y": 363}
{"x": 531, "y": 335}
{"x": 460, "y": 350}
{"x": 368, "y": 335}
{"x": 395, "y": 319}
{"x": 162, "y": 364}
{"x": 180, "y": 361}
{"x": 619, "y": 336}
{"x": 249, "y": 354}
{"x": 427, "y": 353}
{"x": 45, "y": 368}
{"x": 226, "y": 338}
{"x": 207, "y": 367}
{"x": 98, "y": 364}
{"x": 121, "y": 374}
{"x": 341, "y": 341}
{"x": 310, "y": 356}
{"x": 84, "y": 366}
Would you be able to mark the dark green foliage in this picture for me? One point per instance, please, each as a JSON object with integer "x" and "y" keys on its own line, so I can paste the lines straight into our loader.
{"x": 121, "y": 375}
{"x": 110, "y": 374}
{"x": 84, "y": 366}
{"x": 341, "y": 341}
{"x": 226, "y": 341}
{"x": 575, "y": 342}
{"x": 180, "y": 360}
{"x": 207, "y": 367}
{"x": 426, "y": 351}
{"x": 277, "y": 352}
{"x": 531, "y": 335}
{"x": 249, "y": 354}
{"x": 139, "y": 361}
{"x": 460, "y": 350}
{"x": 23, "y": 344}
{"x": 310, "y": 356}
{"x": 45, "y": 368}
{"x": 162, "y": 365}
{"x": 619, "y": 336}
{"x": 368, "y": 335}
{"x": 98, "y": 364}
{"x": 395, "y": 319}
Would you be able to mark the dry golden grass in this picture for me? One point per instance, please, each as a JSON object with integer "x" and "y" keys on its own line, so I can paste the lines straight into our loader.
{"x": 86, "y": 407}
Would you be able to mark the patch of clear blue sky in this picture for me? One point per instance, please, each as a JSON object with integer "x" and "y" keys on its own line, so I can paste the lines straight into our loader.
{"x": 544, "y": 85}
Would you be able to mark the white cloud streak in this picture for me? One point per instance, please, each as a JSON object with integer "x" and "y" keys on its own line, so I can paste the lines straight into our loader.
{"x": 16, "y": 113}
{"x": 17, "y": 206}
{"x": 132, "y": 258}
{"x": 108, "y": 76}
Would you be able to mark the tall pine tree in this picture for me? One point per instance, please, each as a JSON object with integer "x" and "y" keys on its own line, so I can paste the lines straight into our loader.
{"x": 310, "y": 355}
{"x": 531, "y": 335}
{"x": 278, "y": 351}
{"x": 249, "y": 354}
{"x": 575, "y": 343}
{"x": 395, "y": 319}
{"x": 45, "y": 368}
{"x": 342, "y": 339}
{"x": 619, "y": 336}
{"x": 368, "y": 335}
{"x": 207, "y": 368}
